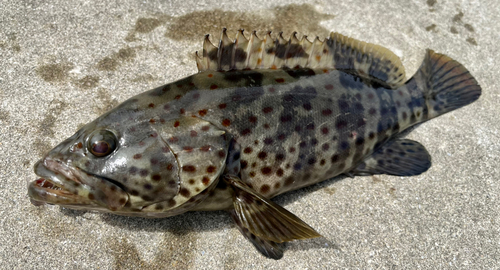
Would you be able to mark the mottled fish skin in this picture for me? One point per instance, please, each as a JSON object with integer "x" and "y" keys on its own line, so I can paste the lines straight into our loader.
{"x": 233, "y": 139}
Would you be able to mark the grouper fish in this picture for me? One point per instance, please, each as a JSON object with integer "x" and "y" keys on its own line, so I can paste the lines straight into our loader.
{"x": 263, "y": 116}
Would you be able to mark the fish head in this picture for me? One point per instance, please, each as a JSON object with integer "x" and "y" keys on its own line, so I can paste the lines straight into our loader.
{"x": 108, "y": 166}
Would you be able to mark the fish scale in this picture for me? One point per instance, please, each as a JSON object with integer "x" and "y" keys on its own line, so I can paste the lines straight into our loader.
{"x": 262, "y": 117}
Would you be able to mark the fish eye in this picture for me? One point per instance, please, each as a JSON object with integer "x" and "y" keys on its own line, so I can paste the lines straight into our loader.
{"x": 101, "y": 143}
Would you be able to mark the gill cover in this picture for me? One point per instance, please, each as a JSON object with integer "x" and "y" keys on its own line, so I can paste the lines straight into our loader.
{"x": 201, "y": 150}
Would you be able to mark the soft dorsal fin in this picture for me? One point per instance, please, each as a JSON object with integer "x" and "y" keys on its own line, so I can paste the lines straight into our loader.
{"x": 339, "y": 52}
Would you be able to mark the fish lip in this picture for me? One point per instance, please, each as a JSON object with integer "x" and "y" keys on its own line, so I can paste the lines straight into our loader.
{"x": 57, "y": 185}
{"x": 53, "y": 185}
{"x": 63, "y": 184}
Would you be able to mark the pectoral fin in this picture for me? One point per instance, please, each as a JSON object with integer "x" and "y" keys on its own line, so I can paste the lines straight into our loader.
{"x": 400, "y": 157}
{"x": 263, "y": 222}
{"x": 268, "y": 248}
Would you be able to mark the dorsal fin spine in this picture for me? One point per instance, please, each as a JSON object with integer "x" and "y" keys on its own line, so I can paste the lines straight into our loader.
{"x": 339, "y": 52}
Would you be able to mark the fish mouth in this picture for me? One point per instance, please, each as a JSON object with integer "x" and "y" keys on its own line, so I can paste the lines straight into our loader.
{"x": 69, "y": 186}
{"x": 54, "y": 186}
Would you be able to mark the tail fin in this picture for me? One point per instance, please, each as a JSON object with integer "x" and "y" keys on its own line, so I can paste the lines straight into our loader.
{"x": 447, "y": 84}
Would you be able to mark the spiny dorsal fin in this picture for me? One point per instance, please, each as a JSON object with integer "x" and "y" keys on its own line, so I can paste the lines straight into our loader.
{"x": 339, "y": 52}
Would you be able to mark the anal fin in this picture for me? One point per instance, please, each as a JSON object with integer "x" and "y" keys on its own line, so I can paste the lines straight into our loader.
{"x": 263, "y": 222}
{"x": 401, "y": 157}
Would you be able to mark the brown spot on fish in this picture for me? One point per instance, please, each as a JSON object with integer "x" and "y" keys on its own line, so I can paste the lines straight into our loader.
{"x": 279, "y": 172}
{"x": 171, "y": 203}
{"x": 226, "y": 122}
{"x": 267, "y": 109}
{"x": 151, "y": 105}
{"x": 243, "y": 164}
{"x": 286, "y": 118}
{"x": 211, "y": 169}
{"x": 213, "y": 87}
{"x": 156, "y": 177}
{"x": 325, "y": 146}
{"x": 205, "y": 148}
{"x": 252, "y": 119}
{"x": 312, "y": 161}
{"x": 341, "y": 124}
{"x": 326, "y": 112}
{"x": 222, "y": 106}
{"x": 246, "y": 132}
{"x": 307, "y": 106}
{"x": 266, "y": 170}
{"x": 185, "y": 192}
{"x": 247, "y": 150}
{"x": 265, "y": 189}
{"x": 137, "y": 156}
{"x": 202, "y": 112}
{"x": 268, "y": 141}
{"x": 189, "y": 168}
{"x": 329, "y": 87}
{"x": 143, "y": 172}
{"x": 205, "y": 180}
{"x": 280, "y": 80}
{"x": 262, "y": 155}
